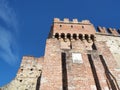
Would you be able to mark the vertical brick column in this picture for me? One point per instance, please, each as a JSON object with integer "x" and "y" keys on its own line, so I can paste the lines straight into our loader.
{"x": 52, "y": 70}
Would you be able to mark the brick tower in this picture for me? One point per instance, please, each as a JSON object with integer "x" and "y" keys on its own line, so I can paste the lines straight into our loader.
{"x": 65, "y": 55}
{"x": 76, "y": 58}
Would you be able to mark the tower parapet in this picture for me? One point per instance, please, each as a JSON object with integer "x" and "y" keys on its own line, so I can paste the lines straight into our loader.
{"x": 72, "y": 29}
{"x": 66, "y": 20}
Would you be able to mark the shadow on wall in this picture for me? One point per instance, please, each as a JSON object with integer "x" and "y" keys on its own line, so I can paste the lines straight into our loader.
{"x": 112, "y": 82}
{"x": 64, "y": 72}
{"x": 94, "y": 72}
{"x": 38, "y": 82}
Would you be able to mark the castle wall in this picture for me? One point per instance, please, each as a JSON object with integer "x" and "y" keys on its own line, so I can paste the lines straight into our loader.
{"x": 76, "y": 58}
{"x": 113, "y": 44}
{"x": 111, "y": 55}
{"x": 28, "y": 76}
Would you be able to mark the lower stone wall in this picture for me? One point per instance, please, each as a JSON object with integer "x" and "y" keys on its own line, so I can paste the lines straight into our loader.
{"x": 28, "y": 76}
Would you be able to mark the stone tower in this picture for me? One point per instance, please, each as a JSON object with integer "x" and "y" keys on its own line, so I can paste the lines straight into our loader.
{"x": 76, "y": 58}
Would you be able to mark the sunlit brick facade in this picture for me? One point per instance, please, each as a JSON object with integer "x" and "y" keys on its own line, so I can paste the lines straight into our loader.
{"x": 76, "y": 58}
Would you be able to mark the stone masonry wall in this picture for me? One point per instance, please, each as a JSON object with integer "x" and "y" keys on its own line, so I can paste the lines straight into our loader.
{"x": 28, "y": 75}
{"x": 111, "y": 53}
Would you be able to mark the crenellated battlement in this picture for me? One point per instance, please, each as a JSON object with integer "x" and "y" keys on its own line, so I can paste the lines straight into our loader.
{"x": 75, "y": 30}
{"x": 72, "y": 30}
{"x": 66, "y": 20}
{"x": 110, "y": 31}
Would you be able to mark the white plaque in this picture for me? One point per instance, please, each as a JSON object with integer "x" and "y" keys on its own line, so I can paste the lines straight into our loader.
{"x": 77, "y": 58}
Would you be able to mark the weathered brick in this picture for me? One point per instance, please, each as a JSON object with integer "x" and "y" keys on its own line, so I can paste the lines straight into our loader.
{"x": 99, "y": 68}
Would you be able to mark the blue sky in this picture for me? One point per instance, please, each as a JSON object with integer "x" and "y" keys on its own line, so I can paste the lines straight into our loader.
{"x": 25, "y": 24}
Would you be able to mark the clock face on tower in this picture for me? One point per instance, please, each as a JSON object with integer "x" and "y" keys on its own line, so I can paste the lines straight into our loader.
{"x": 77, "y": 58}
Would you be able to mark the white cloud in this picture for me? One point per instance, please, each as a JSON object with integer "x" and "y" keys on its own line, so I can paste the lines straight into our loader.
{"x": 8, "y": 14}
{"x": 8, "y": 50}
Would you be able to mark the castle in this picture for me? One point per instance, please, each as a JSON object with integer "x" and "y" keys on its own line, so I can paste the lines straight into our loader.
{"x": 76, "y": 58}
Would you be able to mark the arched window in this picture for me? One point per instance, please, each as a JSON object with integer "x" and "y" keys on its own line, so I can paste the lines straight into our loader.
{"x": 80, "y": 36}
{"x": 62, "y": 35}
{"x": 92, "y": 37}
{"x": 69, "y": 36}
{"x": 74, "y": 36}
{"x": 86, "y": 36}
{"x": 57, "y": 35}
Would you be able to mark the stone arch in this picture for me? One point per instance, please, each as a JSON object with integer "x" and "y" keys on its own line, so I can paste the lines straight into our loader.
{"x": 86, "y": 36}
{"x": 80, "y": 36}
{"x": 69, "y": 36}
{"x": 75, "y": 36}
{"x": 92, "y": 37}
{"x": 63, "y": 35}
{"x": 57, "y": 35}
